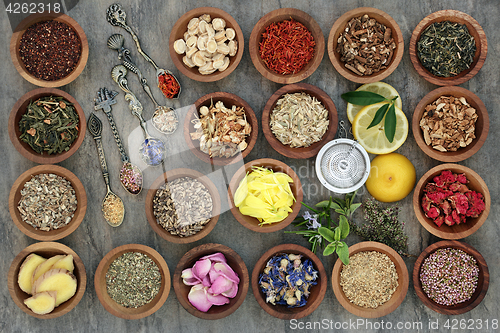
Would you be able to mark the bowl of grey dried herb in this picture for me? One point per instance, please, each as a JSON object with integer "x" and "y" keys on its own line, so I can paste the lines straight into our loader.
{"x": 375, "y": 281}
{"x": 132, "y": 281}
{"x": 47, "y": 125}
{"x": 183, "y": 205}
{"x": 448, "y": 47}
{"x": 298, "y": 119}
{"x": 47, "y": 202}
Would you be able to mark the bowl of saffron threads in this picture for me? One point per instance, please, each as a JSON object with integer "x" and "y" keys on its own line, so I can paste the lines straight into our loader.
{"x": 289, "y": 281}
{"x": 286, "y": 45}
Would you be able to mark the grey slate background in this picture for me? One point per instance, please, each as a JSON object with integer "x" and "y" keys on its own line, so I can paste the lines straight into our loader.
{"x": 152, "y": 21}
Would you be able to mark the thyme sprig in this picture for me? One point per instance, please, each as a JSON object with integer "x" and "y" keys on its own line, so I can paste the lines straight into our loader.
{"x": 387, "y": 110}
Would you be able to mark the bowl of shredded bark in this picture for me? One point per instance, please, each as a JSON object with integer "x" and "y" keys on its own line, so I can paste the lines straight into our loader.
{"x": 450, "y": 277}
{"x": 365, "y": 45}
{"x": 450, "y": 124}
{"x": 448, "y": 47}
{"x": 132, "y": 281}
{"x": 374, "y": 283}
{"x": 47, "y": 202}
{"x": 299, "y": 119}
{"x": 47, "y": 125}
{"x": 451, "y": 201}
{"x": 49, "y": 49}
{"x": 183, "y": 205}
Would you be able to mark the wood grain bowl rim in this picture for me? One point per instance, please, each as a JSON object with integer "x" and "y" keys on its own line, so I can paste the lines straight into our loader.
{"x": 396, "y": 299}
{"x": 381, "y": 17}
{"x": 46, "y": 249}
{"x": 131, "y": 313}
{"x": 20, "y": 108}
{"x": 251, "y": 222}
{"x": 15, "y": 196}
{"x": 483, "y": 280}
{"x": 279, "y": 15}
{"x": 303, "y": 152}
{"x": 455, "y": 231}
{"x": 482, "y": 124}
{"x": 229, "y": 100}
{"x": 317, "y": 292}
{"x": 39, "y": 17}
{"x": 180, "y": 27}
{"x": 233, "y": 260}
{"x": 172, "y": 175}
{"x": 475, "y": 30}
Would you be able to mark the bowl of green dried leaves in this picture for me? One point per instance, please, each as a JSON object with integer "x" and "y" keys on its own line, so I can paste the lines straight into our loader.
{"x": 47, "y": 125}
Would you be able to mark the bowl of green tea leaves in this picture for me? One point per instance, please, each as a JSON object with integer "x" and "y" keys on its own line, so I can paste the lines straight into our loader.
{"x": 47, "y": 125}
{"x": 448, "y": 47}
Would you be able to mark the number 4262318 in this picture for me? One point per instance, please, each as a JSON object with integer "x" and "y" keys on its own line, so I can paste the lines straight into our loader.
{"x": 32, "y": 8}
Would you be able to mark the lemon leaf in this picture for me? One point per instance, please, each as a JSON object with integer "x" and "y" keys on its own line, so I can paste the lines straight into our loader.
{"x": 390, "y": 123}
{"x": 379, "y": 115}
{"x": 363, "y": 97}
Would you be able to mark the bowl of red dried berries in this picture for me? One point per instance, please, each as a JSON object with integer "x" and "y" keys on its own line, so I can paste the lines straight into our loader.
{"x": 49, "y": 49}
{"x": 286, "y": 45}
{"x": 450, "y": 277}
{"x": 450, "y": 124}
{"x": 451, "y": 201}
{"x": 365, "y": 45}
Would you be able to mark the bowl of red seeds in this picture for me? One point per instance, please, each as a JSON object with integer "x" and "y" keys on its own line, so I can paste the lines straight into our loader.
{"x": 451, "y": 201}
{"x": 451, "y": 277}
{"x": 286, "y": 45}
{"x": 49, "y": 49}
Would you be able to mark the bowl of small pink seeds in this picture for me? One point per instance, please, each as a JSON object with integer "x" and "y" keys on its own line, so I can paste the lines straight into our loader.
{"x": 451, "y": 277}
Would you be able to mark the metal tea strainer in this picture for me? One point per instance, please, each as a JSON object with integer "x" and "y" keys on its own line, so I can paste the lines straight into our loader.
{"x": 342, "y": 165}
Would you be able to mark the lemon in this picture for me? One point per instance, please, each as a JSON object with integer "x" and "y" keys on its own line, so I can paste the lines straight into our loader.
{"x": 380, "y": 88}
{"x": 374, "y": 139}
{"x": 392, "y": 177}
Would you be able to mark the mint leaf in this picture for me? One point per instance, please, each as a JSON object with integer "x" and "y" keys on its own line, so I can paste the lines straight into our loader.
{"x": 343, "y": 226}
{"x": 363, "y": 97}
{"x": 379, "y": 115}
{"x": 329, "y": 250}
{"x": 390, "y": 123}
{"x": 327, "y": 234}
{"x": 343, "y": 253}
{"x": 322, "y": 204}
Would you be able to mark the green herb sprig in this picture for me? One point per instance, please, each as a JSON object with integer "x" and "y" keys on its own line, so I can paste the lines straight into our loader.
{"x": 387, "y": 110}
{"x": 318, "y": 235}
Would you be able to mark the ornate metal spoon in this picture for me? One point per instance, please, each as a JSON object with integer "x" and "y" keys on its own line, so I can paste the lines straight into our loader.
{"x": 130, "y": 175}
{"x": 112, "y": 205}
{"x": 116, "y": 16}
{"x": 152, "y": 149}
{"x": 168, "y": 115}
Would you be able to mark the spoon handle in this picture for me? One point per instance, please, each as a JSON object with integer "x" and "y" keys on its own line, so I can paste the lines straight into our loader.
{"x": 116, "y": 135}
{"x": 95, "y": 128}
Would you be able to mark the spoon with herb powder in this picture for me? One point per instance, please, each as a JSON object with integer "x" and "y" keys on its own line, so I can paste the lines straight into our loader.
{"x": 112, "y": 205}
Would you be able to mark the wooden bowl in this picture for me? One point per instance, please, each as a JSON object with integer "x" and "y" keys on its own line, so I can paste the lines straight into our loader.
{"x": 131, "y": 313}
{"x": 482, "y": 124}
{"x": 233, "y": 260}
{"x": 280, "y": 15}
{"x": 251, "y": 222}
{"x": 339, "y": 26}
{"x": 15, "y": 196}
{"x": 462, "y": 230}
{"x": 482, "y": 283}
{"x": 15, "y": 41}
{"x": 304, "y": 152}
{"x": 474, "y": 29}
{"x": 396, "y": 299}
{"x": 180, "y": 27}
{"x": 46, "y": 250}
{"x": 229, "y": 100}
{"x": 317, "y": 292}
{"x": 170, "y": 176}
{"x": 20, "y": 108}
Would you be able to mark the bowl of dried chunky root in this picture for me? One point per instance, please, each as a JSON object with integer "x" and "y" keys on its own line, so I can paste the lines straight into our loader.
{"x": 450, "y": 124}
{"x": 182, "y": 205}
{"x": 206, "y": 44}
{"x": 132, "y": 281}
{"x": 289, "y": 281}
{"x": 265, "y": 195}
{"x": 47, "y": 202}
{"x": 374, "y": 283}
{"x": 298, "y": 119}
{"x": 221, "y": 128}
{"x": 47, "y": 280}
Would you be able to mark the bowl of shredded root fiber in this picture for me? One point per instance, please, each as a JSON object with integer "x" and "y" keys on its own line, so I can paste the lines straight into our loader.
{"x": 374, "y": 283}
